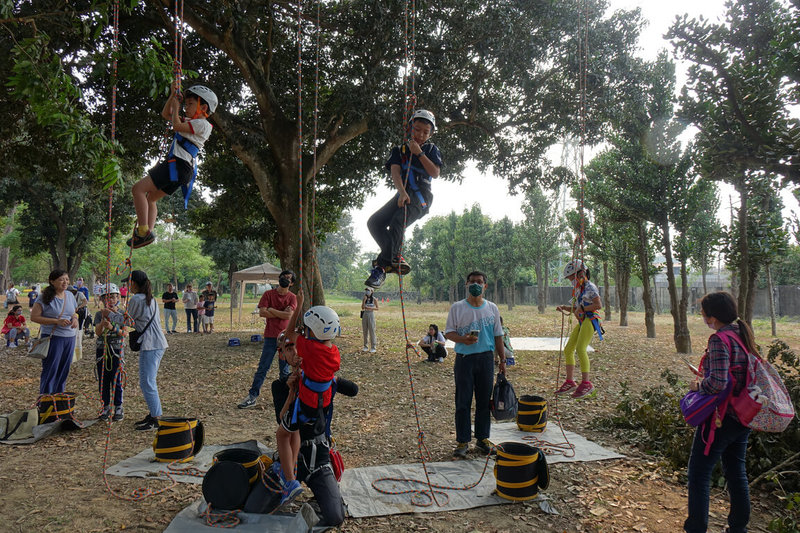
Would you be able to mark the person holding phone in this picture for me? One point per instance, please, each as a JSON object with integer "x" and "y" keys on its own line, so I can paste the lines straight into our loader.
{"x": 474, "y": 325}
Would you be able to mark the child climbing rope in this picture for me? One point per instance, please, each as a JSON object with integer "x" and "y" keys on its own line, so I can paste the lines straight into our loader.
{"x": 320, "y": 361}
{"x": 110, "y": 330}
{"x": 413, "y": 198}
{"x": 180, "y": 166}
{"x": 585, "y": 304}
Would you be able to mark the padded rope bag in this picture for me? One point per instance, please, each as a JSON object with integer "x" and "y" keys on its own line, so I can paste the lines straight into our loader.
{"x": 249, "y": 459}
{"x": 532, "y": 414}
{"x": 504, "y": 402}
{"x": 57, "y": 406}
{"x": 178, "y": 439}
{"x": 226, "y": 485}
{"x": 517, "y": 471}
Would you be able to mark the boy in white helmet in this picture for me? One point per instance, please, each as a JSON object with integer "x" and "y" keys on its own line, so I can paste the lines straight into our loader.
{"x": 319, "y": 362}
{"x": 180, "y": 166}
{"x": 110, "y": 329}
{"x": 412, "y": 166}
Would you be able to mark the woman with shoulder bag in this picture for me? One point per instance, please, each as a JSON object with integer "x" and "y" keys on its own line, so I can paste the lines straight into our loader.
{"x": 143, "y": 309}
{"x": 54, "y": 310}
{"x": 730, "y": 438}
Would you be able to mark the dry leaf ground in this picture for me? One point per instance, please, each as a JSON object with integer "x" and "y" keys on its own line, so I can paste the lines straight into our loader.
{"x": 57, "y": 485}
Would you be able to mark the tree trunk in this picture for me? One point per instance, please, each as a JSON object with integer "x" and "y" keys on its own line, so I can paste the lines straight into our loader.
{"x": 623, "y": 281}
{"x": 5, "y": 274}
{"x": 656, "y": 301}
{"x": 771, "y": 298}
{"x": 541, "y": 299}
{"x": 678, "y": 338}
{"x": 644, "y": 266}
{"x": 232, "y": 267}
{"x": 704, "y": 273}
{"x": 684, "y": 335}
{"x": 451, "y": 294}
{"x": 747, "y": 315}
{"x": 606, "y": 293}
{"x": 744, "y": 255}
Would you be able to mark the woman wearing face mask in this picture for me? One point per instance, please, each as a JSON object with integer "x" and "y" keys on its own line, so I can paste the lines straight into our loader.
{"x": 368, "y": 307}
{"x": 585, "y": 304}
{"x": 730, "y": 439}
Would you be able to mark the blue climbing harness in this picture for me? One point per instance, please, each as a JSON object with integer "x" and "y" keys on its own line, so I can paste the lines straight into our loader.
{"x": 405, "y": 162}
{"x": 298, "y": 417}
{"x": 591, "y": 315}
{"x": 193, "y": 150}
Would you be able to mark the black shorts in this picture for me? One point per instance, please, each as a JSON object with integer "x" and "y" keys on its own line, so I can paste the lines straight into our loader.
{"x": 160, "y": 175}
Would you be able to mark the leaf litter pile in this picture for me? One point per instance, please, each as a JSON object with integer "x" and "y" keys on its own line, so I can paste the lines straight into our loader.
{"x": 57, "y": 484}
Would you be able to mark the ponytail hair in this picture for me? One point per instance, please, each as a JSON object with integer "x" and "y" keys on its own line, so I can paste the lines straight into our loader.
{"x": 139, "y": 277}
{"x": 49, "y": 292}
{"x": 722, "y": 306}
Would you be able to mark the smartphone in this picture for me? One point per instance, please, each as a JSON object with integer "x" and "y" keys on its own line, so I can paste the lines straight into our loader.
{"x": 693, "y": 368}
{"x": 474, "y": 332}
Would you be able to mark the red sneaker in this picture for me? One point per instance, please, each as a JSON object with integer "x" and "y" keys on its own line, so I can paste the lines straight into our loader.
{"x": 567, "y": 386}
{"x": 584, "y": 390}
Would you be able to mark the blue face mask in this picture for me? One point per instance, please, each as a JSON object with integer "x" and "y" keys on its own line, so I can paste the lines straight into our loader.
{"x": 475, "y": 289}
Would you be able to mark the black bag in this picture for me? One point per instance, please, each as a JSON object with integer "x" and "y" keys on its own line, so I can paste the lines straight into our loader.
{"x": 504, "y": 399}
{"x": 135, "y": 336}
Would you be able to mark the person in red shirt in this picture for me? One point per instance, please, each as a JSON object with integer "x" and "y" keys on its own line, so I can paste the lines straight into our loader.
{"x": 276, "y": 306}
{"x": 14, "y": 328}
{"x": 319, "y": 361}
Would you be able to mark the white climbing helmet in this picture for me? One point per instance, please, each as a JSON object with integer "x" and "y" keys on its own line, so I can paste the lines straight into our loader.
{"x": 323, "y": 322}
{"x": 424, "y": 114}
{"x": 206, "y": 94}
{"x": 574, "y": 266}
{"x": 110, "y": 288}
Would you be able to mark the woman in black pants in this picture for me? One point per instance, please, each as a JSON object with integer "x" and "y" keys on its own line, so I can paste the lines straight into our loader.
{"x": 190, "y": 305}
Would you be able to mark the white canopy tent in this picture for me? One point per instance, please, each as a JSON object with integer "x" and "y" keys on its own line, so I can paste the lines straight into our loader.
{"x": 265, "y": 273}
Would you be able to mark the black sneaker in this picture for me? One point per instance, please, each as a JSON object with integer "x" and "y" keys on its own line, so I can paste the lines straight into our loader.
{"x": 248, "y": 402}
{"x": 461, "y": 450}
{"x": 146, "y": 423}
{"x": 138, "y": 242}
{"x": 376, "y": 278}
{"x": 400, "y": 266}
{"x": 485, "y": 447}
{"x": 105, "y": 413}
{"x": 119, "y": 414}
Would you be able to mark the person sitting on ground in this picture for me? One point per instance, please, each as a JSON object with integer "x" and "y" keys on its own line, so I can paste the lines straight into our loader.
{"x": 15, "y": 329}
{"x": 320, "y": 360}
{"x": 110, "y": 330}
{"x": 412, "y": 168}
{"x": 180, "y": 166}
{"x": 433, "y": 345}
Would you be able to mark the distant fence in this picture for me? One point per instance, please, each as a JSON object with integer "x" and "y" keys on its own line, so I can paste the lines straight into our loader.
{"x": 787, "y": 298}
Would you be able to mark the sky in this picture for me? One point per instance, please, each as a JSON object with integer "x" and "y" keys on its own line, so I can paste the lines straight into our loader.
{"x": 495, "y": 200}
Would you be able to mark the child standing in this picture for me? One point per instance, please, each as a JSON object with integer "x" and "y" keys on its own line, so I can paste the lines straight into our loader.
{"x": 110, "y": 330}
{"x": 584, "y": 306}
{"x": 201, "y": 312}
{"x": 320, "y": 359}
{"x": 180, "y": 166}
{"x": 419, "y": 161}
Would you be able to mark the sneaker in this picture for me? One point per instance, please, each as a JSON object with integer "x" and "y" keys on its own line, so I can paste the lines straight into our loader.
{"x": 148, "y": 422}
{"x": 12, "y": 344}
{"x": 291, "y": 490}
{"x": 105, "y": 413}
{"x": 400, "y": 266}
{"x": 119, "y": 414}
{"x": 376, "y": 278}
{"x": 364, "y": 349}
{"x": 173, "y": 331}
{"x": 567, "y": 386}
{"x": 461, "y": 450}
{"x": 584, "y": 390}
{"x": 440, "y": 360}
{"x": 248, "y": 402}
{"x": 138, "y": 242}
{"x": 485, "y": 447}
{"x": 373, "y": 350}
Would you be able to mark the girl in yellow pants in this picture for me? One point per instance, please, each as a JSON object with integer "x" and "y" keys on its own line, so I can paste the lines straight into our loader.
{"x": 585, "y": 303}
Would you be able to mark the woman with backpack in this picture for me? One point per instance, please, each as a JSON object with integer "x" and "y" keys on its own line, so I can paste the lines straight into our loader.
{"x": 143, "y": 309}
{"x": 730, "y": 439}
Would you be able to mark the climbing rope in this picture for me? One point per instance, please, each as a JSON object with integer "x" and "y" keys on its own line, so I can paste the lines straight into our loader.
{"x": 314, "y": 160}
{"x": 300, "y": 139}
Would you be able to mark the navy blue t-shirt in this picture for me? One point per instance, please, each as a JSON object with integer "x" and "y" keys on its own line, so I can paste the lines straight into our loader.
{"x": 422, "y": 177}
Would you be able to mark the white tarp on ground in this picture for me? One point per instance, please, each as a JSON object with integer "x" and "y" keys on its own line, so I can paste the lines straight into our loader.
{"x": 144, "y": 464}
{"x": 190, "y": 521}
{"x": 534, "y": 344}
{"x": 363, "y": 500}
